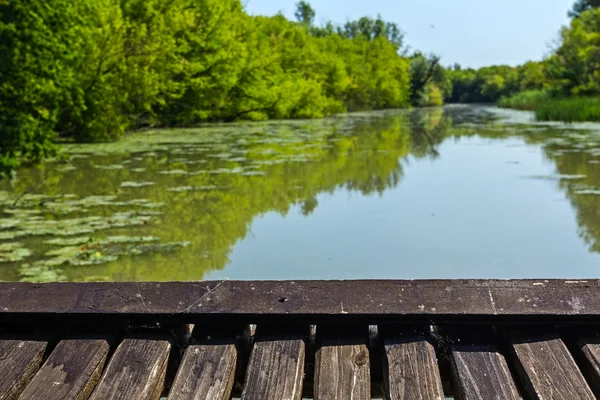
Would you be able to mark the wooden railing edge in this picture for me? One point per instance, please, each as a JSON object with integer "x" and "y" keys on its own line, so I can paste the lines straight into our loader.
{"x": 369, "y": 299}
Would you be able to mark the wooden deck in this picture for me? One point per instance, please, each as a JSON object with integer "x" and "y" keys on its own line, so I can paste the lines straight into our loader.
{"x": 413, "y": 340}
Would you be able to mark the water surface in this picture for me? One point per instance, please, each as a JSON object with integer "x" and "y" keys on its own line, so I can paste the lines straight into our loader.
{"x": 460, "y": 192}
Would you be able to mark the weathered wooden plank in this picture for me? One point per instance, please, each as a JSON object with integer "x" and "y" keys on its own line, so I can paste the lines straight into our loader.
{"x": 136, "y": 371}
{"x": 547, "y": 369}
{"x": 276, "y": 369}
{"x": 481, "y": 373}
{"x": 590, "y": 348}
{"x": 319, "y": 300}
{"x": 19, "y": 362}
{"x": 342, "y": 370}
{"x": 71, "y": 371}
{"x": 411, "y": 370}
{"x": 206, "y": 372}
{"x": 102, "y": 298}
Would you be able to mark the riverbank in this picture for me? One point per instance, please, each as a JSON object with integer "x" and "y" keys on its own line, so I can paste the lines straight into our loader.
{"x": 550, "y": 108}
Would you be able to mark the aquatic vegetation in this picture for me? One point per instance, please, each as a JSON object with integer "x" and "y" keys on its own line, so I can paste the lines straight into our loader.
{"x": 110, "y": 167}
{"x": 73, "y": 226}
{"x": 253, "y": 173}
{"x": 41, "y": 273}
{"x": 575, "y": 109}
{"x": 196, "y": 188}
{"x": 595, "y": 192}
{"x": 105, "y": 251}
{"x": 13, "y": 252}
{"x": 174, "y": 172}
{"x": 556, "y": 177}
{"x": 9, "y": 223}
{"x": 128, "y": 239}
{"x": 131, "y": 184}
{"x": 528, "y": 100}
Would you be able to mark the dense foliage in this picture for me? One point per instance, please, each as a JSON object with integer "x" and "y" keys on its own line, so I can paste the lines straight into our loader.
{"x": 89, "y": 70}
{"x": 490, "y": 84}
{"x": 572, "y": 78}
{"x": 575, "y": 66}
{"x": 565, "y": 86}
{"x": 582, "y": 6}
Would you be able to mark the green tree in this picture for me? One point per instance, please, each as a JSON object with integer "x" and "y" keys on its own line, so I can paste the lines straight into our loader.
{"x": 305, "y": 14}
{"x": 429, "y": 80}
{"x": 575, "y": 67}
{"x": 582, "y": 6}
{"x": 38, "y": 43}
{"x": 91, "y": 70}
{"x": 369, "y": 29}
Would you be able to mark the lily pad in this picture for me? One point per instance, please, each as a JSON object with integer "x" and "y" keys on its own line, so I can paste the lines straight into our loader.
{"x": 136, "y": 184}
{"x": 110, "y": 167}
{"x": 41, "y": 273}
{"x": 195, "y": 188}
{"x": 253, "y": 173}
{"x": 174, "y": 172}
{"x": 128, "y": 239}
{"x": 556, "y": 177}
{"x": 9, "y": 223}
{"x": 588, "y": 192}
{"x": 66, "y": 168}
{"x": 13, "y": 252}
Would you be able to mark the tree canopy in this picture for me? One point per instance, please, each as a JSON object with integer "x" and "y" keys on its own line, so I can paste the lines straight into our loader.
{"x": 574, "y": 68}
{"x": 582, "y": 6}
{"x": 90, "y": 70}
{"x": 305, "y": 14}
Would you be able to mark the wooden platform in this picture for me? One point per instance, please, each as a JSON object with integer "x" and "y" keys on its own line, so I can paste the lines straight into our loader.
{"x": 313, "y": 339}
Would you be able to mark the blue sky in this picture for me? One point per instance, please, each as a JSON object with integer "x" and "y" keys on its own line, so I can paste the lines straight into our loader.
{"x": 473, "y": 33}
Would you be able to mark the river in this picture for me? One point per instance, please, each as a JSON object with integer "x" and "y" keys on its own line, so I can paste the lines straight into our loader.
{"x": 455, "y": 192}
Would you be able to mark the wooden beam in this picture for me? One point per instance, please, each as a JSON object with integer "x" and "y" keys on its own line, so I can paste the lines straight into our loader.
{"x": 276, "y": 367}
{"x": 206, "y": 372}
{"x": 590, "y": 348}
{"x": 317, "y": 301}
{"x": 72, "y": 370}
{"x": 481, "y": 372}
{"x": 411, "y": 369}
{"x": 19, "y": 362}
{"x": 137, "y": 370}
{"x": 342, "y": 363}
{"x": 547, "y": 369}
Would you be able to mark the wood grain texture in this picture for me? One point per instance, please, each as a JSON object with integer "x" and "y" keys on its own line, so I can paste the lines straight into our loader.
{"x": 547, "y": 369}
{"x": 319, "y": 300}
{"x": 590, "y": 348}
{"x": 71, "y": 372}
{"x": 411, "y": 371}
{"x": 342, "y": 371}
{"x": 275, "y": 370}
{"x": 206, "y": 372}
{"x": 136, "y": 370}
{"x": 19, "y": 362}
{"x": 481, "y": 373}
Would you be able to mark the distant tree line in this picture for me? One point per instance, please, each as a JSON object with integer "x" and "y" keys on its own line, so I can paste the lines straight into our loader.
{"x": 571, "y": 70}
